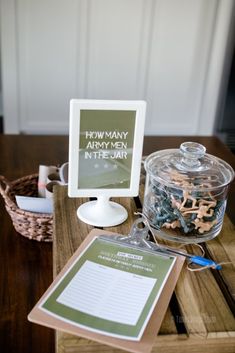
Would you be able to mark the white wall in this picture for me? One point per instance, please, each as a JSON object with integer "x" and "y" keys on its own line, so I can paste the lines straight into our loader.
{"x": 168, "y": 52}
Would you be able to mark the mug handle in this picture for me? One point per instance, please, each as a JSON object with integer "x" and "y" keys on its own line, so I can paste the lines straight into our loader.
{"x": 63, "y": 173}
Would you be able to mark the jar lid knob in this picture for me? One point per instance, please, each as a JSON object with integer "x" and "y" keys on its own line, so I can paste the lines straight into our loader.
{"x": 192, "y": 153}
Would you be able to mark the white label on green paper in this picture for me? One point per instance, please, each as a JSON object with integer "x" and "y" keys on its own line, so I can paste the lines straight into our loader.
{"x": 118, "y": 296}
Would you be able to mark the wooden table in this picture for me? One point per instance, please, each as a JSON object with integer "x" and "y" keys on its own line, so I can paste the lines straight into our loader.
{"x": 26, "y": 266}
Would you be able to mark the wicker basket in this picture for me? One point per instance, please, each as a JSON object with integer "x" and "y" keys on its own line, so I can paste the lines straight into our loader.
{"x": 36, "y": 226}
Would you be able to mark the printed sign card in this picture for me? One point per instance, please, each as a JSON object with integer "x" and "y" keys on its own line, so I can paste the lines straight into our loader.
{"x": 105, "y": 150}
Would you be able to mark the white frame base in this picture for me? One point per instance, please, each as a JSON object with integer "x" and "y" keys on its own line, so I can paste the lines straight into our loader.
{"x": 102, "y": 213}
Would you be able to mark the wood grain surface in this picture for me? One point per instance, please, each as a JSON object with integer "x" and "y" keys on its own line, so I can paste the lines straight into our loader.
{"x": 26, "y": 266}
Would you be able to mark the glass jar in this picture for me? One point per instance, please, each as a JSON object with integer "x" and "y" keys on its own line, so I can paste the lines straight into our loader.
{"x": 186, "y": 193}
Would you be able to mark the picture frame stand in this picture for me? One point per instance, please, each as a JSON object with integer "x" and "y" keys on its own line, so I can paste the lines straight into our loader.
{"x": 102, "y": 212}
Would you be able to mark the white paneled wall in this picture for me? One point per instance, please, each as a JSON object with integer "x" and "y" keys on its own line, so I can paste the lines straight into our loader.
{"x": 158, "y": 50}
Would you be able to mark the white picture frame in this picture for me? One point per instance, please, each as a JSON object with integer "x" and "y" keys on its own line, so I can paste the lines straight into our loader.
{"x": 92, "y": 161}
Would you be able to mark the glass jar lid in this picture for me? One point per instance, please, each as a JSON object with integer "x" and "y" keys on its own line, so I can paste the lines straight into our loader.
{"x": 189, "y": 168}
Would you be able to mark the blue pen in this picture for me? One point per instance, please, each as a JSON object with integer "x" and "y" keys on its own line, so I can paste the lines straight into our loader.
{"x": 198, "y": 260}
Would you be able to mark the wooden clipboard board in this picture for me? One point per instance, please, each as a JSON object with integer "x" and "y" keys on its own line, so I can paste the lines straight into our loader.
{"x": 37, "y": 315}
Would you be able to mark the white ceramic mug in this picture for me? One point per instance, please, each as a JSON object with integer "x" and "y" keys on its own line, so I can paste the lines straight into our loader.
{"x": 44, "y": 171}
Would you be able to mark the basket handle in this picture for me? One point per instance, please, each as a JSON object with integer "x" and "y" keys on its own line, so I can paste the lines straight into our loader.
{"x": 4, "y": 189}
{"x": 4, "y": 185}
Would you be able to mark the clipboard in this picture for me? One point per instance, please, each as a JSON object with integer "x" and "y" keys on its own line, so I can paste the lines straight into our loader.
{"x": 37, "y": 315}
